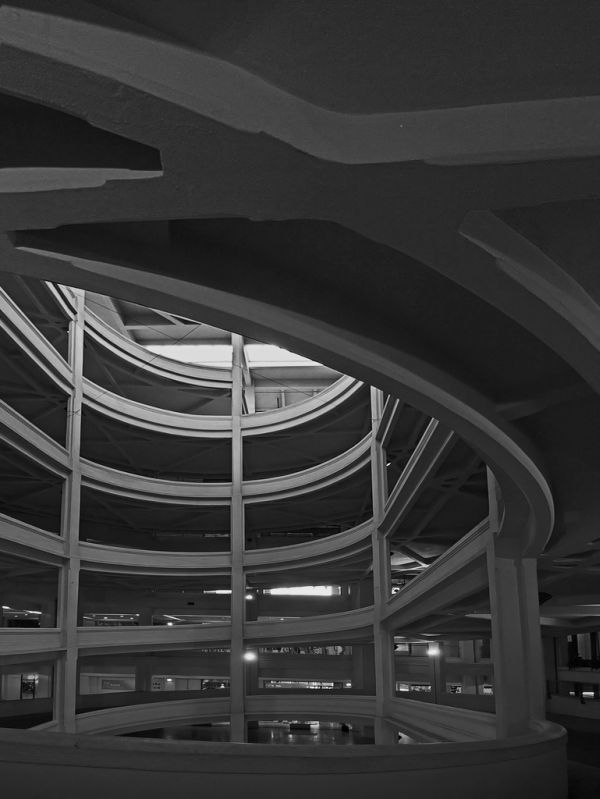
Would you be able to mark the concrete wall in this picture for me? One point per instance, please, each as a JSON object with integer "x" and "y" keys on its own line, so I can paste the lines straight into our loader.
{"x": 56, "y": 766}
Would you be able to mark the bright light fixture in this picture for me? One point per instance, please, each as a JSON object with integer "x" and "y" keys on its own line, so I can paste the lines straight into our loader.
{"x": 433, "y": 649}
{"x": 250, "y": 655}
{"x": 303, "y": 590}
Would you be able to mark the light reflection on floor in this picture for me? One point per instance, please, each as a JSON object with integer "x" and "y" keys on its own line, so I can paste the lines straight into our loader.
{"x": 275, "y": 733}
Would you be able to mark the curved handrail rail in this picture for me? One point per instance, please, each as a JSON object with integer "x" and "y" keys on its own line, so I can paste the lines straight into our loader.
{"x": 102, "y": 557}
{"x": 129, "y": 484}
{"x": 128, "y": 350}
{"x": 323, "y": 550}
{"x": 311, "y": 479}
{"x": 148, "y": 417}
{"x": 334, "y": 627}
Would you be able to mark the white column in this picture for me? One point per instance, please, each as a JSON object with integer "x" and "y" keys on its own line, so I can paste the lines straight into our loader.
{"x": 516, "y": 637}
{"x": 238, "y": 583}
{"x": 66, "y": 678}
{"x": 383, "y": 639}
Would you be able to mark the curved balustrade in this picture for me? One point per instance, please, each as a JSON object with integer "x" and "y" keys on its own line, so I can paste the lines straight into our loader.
{"x": 324, "y": 550}
{"x": 23, "y": 331}
{"x": 138, "y": 357}
{"x": 349, "y": 625}
{"x": 53, "y": 766}
{"x": 432, "y": 723}
{"x": 101, "y": 557}
{"x": 105, "y": 478}
{"x": 126, "y": 484}
{"x": 141, "y": 639}
{"x": 27, "y": 641}
{"x": 314, "y": 478}
{"x": 147, "y": 417}
{"x": 326, "y": 705}
{"x": 132, "y": 718}
{"x": 22, "y": 538}
{"x": 25, "y": 436}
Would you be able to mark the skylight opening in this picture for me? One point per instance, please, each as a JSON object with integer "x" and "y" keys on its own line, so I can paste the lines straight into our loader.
{"x": 305, "y": 590}
{"x": 220, "y": 355}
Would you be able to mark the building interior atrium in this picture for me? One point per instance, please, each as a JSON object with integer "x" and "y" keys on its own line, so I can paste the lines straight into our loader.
{"x": 299, "y": 414}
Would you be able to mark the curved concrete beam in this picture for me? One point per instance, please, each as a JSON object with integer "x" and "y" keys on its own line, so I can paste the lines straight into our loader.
{"x": 15, "y": 180}
{"x": 529, "y": 516}
{"x": 217, "y": 89}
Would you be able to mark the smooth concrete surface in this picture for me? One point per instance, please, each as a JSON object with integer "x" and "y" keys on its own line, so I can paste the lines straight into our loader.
{"x": 583, "y": 753}
{"x": 57, "y": 765}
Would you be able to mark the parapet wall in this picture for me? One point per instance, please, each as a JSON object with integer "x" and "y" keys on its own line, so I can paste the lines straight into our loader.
{"x": 57, "y": 765}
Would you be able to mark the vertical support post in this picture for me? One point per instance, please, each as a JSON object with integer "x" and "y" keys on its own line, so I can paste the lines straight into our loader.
{"x": 143, "y": 676}
{"x": 382, "y": 638}
{"x": 65, "y": 694}
{"x": 516, "y": 637}
{"x": 238, "y": 583}
{"x": 438, "y": 676}
{"x": 595, "y": 656}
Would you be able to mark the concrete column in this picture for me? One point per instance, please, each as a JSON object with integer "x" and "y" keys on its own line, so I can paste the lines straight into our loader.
{"x": 383, "y": 639}
{"x": 363, "y": 668}
{"x": 516, "y": 638}
{"x": 65, "y": 693}
{"x": 438, "y": 676}
{"x": 145, "y": 617}
{"x": 47, "y": 616}
{"x": 143, "y": 676}
{"x": 238, "y": 582}
{"x": 252, "y": 666}
{"x": 361, "y": 593}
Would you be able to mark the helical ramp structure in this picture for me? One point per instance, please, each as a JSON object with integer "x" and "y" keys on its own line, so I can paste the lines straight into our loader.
{"x": 182, "y": 160}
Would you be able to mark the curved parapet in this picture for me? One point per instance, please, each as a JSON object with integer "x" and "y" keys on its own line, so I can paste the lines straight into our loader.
{"x": 100, "y": 557}
{"x": 324, "y": 550}
{"x": 103, "y": 478}
{"x": 120, "y": 720}
{"x": 160, "y": 420}
{"x": 313, "y": 479}
{"x": 143, "y": 639}
{"x": 507, "y": 767}
{"x": 346, "y": 626}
